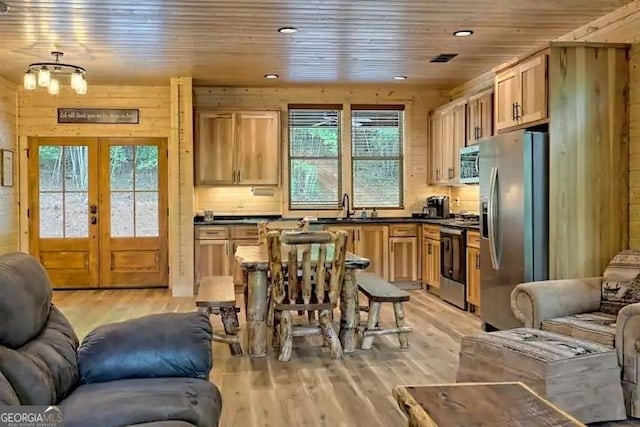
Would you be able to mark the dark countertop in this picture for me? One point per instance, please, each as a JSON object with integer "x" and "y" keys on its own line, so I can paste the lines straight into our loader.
{"x": 229, "y": 220}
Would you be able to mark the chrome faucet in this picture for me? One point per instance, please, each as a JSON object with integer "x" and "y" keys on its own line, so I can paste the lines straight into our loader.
{"x": 346, "y": 207}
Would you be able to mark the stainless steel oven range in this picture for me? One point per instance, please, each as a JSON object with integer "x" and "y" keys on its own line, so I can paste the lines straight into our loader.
{"x": 453, "y": 244}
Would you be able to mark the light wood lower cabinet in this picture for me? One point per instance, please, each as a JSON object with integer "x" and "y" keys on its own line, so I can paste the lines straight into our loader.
{"x": 431, "y": 256}
{"x": 212, "y": 258}
{"x": 473, "y": 276}
{"x": 431, "y": 263}
{"x": 371, "y": 243}
{"x": 368, "y": 241}
{"x": 236, "y": 271}
{"x": 473, "y": 268}
{"x": 403, "y": 259}
{"x": 351, "y": 238}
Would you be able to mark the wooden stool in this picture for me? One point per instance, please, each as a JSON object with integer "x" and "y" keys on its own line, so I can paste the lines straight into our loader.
{"x": 378, "y": 291}
{"x": 216, "y": 295}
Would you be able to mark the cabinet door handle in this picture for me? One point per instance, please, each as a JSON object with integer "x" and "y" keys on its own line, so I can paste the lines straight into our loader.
{"x": 518, "y": 107}
{"x": 238, "y": 176}
{"x": 429, "y": 248}
{"x": 513, "y": 111}
{"x": 479, "y": 132}
{"x": 226, "y": 249}
{"x": 437, "y": 174}
{"x": 478, "y": 261}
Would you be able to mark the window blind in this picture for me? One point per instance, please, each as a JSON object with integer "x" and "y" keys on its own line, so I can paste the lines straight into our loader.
{"x": 376, "y": 152}
{"x": 314, "y": 159}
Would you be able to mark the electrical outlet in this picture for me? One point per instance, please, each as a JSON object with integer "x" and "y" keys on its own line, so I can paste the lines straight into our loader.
{"x": 240, "y": 204}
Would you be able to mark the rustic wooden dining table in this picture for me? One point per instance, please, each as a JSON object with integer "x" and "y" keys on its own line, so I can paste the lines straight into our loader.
{"x": 254, "y": 261}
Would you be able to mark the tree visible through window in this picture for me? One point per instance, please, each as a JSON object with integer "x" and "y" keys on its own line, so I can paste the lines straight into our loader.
{"x": 314, "y": 159}
{"x": 376, "y": 150}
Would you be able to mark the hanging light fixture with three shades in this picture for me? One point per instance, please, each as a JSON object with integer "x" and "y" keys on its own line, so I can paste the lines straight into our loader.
{"x": 45, "y": 74}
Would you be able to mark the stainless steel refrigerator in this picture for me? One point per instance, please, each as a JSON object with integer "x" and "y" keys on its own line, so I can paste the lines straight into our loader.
{"x": 514, "y": 214}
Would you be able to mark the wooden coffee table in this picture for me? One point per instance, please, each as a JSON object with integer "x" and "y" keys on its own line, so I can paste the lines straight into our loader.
{"x": 469, "y": 404}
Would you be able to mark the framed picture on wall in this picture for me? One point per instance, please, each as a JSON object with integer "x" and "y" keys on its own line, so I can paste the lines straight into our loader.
{"x": 6, "y": 167}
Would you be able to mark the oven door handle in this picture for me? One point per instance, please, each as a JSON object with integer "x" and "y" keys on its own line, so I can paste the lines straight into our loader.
{"x": 493, "y": 181}
{"x": 454, "y": 231}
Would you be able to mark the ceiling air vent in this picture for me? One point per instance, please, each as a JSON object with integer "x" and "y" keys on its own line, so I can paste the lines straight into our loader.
{"x": 444, "y": 57}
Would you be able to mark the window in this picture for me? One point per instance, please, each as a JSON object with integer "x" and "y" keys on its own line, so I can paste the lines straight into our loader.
{"x": 314, "y": 158}
{"x": 376, "y": 153}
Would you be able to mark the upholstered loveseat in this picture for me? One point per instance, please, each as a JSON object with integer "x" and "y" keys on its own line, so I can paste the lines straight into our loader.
{"x": 151, "y": 371}
{"x": 605, "y": 310}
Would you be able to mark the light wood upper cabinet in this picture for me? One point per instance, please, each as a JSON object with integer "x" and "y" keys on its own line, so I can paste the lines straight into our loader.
{"x": 521, "y": 93}
{"x": 507, "y": 96}
{"x": 214, "y": 157}
{"x": 479, "y": 117}
{"x": 459, "y": 140}
{"x": 435, "y": 148}
{"x": 447, "y": 137}
{"x": 258, "y": 148}
{"x": 533, "y": 90}
{"x": 238, "y": 148}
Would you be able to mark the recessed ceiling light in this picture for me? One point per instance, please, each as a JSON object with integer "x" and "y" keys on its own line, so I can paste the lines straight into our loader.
{"x": 287, "y": 30}
{"x": 463, "y": 33}
{"x": 4, "y": 8}
{"x": 271, "y": 76}
{"x": 399, "y": 77}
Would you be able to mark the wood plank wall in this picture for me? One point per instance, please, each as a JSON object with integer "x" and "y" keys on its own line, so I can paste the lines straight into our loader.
{"x": 588, "y": 152}
{"x": 233, "y": 200}
{"x": 9, "y": 241}
{"x": 37, "y": 111}
{"x": 623, "y": 26}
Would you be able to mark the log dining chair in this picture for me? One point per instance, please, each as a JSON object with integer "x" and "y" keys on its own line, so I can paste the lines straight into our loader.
{"x": 264, "y": 227}
{"x": 318, "y": 288}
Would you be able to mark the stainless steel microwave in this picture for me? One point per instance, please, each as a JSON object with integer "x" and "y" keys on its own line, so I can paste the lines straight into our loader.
{"x": 469, "y": 166}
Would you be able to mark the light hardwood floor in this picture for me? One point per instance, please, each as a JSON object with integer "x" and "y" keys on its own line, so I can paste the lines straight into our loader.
{"x": 311, "y": 389}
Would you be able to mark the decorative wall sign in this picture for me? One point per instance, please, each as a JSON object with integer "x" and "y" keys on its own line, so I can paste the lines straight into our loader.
{"x": 6, "y": 167}
{"x": 99, "y": 115}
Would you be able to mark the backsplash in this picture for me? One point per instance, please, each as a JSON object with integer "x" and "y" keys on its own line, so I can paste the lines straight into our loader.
{"x": 465, "y": 198}
{"x": 236, "y": 200}
{"x": 242, "y": 201}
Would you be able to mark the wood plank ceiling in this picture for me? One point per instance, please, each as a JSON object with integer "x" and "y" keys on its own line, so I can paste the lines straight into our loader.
{"x": 235, "y": 42}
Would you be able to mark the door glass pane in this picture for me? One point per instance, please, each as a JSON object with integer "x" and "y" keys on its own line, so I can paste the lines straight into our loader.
{"x": 50, "y": 159}
{"x": 76, "y": 218}
{"x": 122, "y": 214}
{"x": 121, "y": 165}
{"x": 134, "y": 191}
{"x": 64, "y": 184}
{"x": 147, "y": 214}
{"x": 76, "y": 165}
{"x": 146, "y": 168}
{"x": 51, "y": 212}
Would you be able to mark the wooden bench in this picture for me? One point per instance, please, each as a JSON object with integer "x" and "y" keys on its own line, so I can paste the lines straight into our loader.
{"x": 378, "y": 291}
{"x": 216, "y": 295}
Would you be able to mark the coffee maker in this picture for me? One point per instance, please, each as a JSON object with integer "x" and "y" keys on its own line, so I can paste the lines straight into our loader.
{"x": 437, "y": 207}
